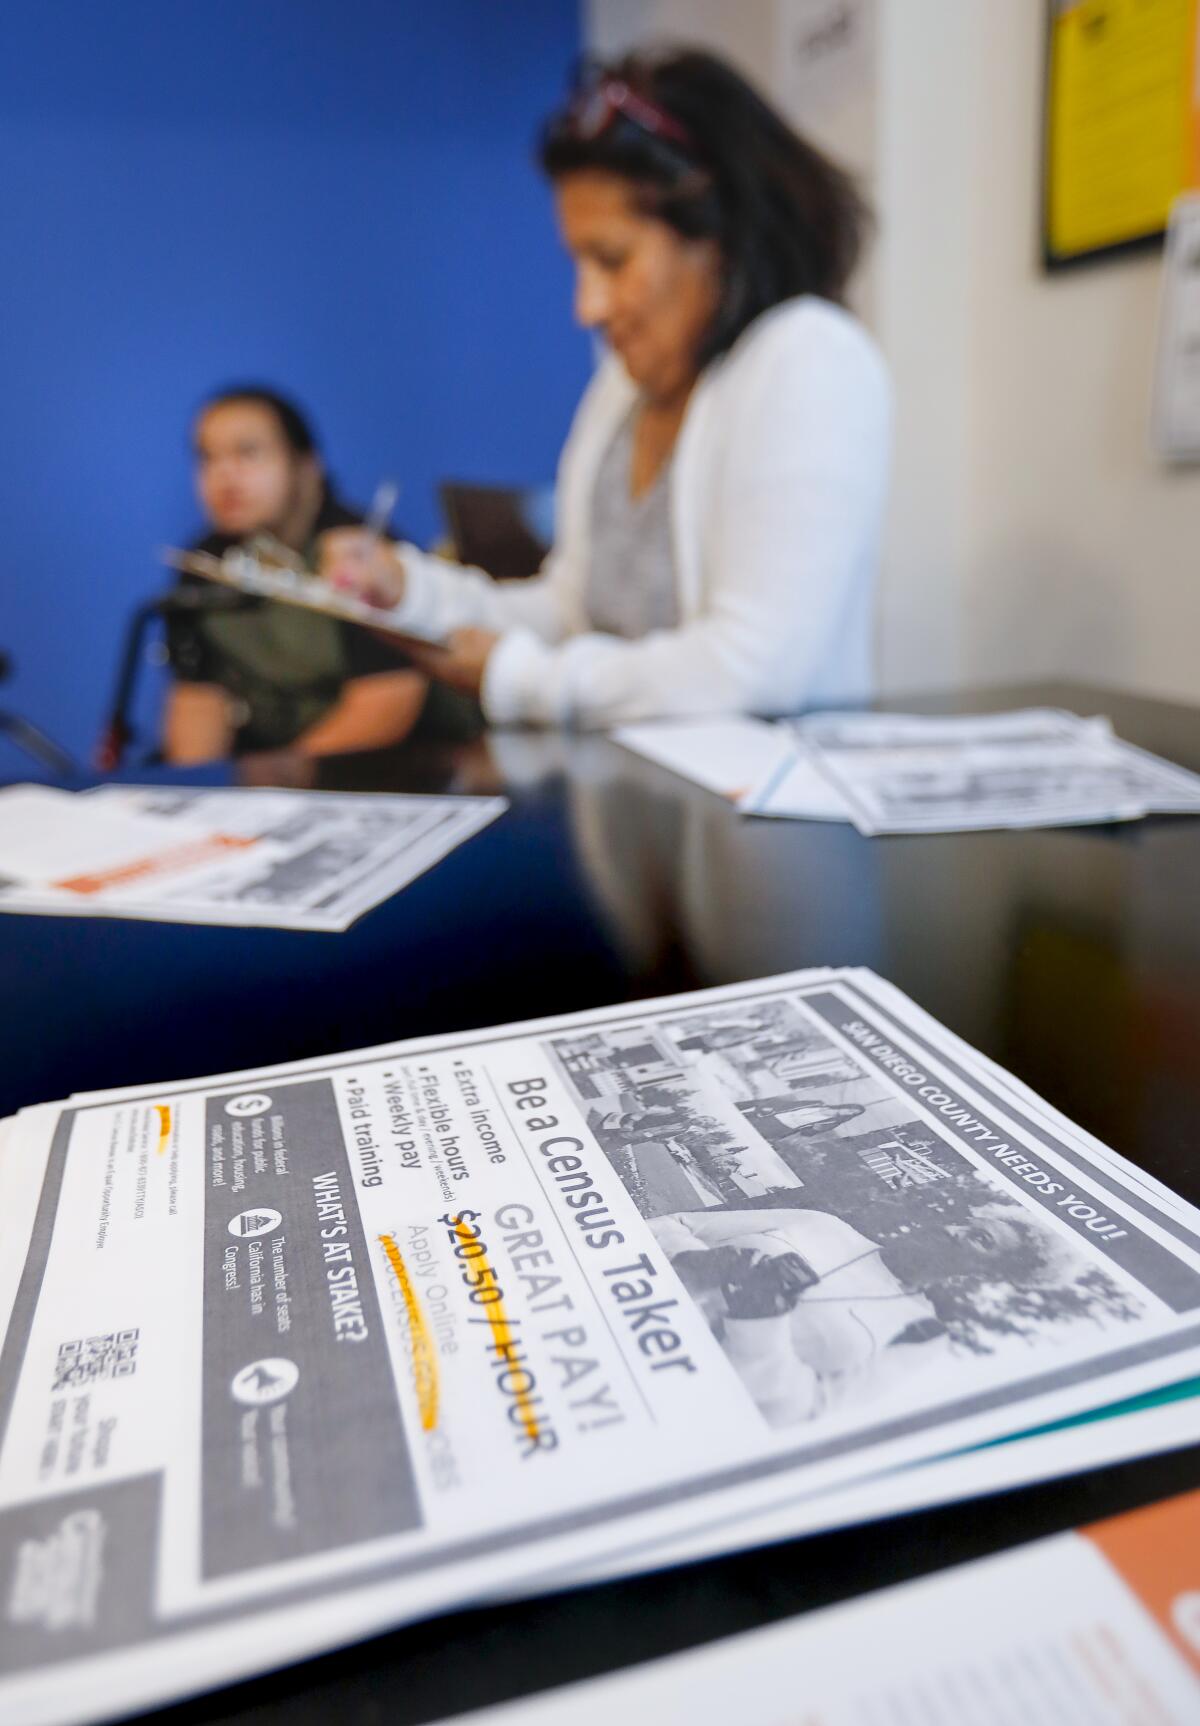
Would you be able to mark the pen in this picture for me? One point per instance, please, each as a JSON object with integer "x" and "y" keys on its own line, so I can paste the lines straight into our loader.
{"x": 379, "y": 514}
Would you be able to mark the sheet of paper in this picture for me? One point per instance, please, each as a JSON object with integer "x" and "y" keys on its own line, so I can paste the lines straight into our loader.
{"x": 868, "y": 730}
{"x": 1008, "y": 786}
{"x": 261, "y": 858}
{"x": 797, "y": 789}
{"x": 56, "y": 840}
{"x": 302, "y": 1352}
{"x": 1101, "y": 1626}
{"x": 902, "y": 773}
{"x": 724, "y": 755}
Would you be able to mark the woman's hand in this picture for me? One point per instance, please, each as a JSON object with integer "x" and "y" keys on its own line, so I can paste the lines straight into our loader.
{"x": 358, "y": 562}
{"x": 461, "y": 663}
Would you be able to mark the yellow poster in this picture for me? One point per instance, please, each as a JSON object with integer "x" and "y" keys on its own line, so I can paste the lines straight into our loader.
{"x": 1123, "y": 120}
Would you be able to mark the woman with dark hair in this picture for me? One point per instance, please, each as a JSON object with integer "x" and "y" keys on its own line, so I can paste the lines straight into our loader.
{"x": 266, "y": 675}
{"x": 721, "y": 491}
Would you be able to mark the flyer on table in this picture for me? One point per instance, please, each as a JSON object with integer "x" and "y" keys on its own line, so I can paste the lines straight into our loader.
{"x": 1099, "y": 1628}
{"x": 296, "y": 1354}
{"x": 256, "y": 858}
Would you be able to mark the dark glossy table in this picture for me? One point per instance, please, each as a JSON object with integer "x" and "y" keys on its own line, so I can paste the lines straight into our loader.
{"x": 1071, "y": 955}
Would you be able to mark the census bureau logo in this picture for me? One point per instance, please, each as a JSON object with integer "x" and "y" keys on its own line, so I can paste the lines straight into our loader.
{"x": 1185, "y": 1615}
{"x": 249, "y": 1103}
{"x": 256, "y": 1222}
{"x": 264, "y": 1381}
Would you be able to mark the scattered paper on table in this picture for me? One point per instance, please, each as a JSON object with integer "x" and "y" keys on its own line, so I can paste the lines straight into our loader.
{"x": 259, "y": 858}
{"x": 908, "y": 773}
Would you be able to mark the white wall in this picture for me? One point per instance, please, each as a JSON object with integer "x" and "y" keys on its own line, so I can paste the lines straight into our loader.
{"x": 743, "y": 30}
{"x": 1084, "y": 550}
{"x": 925, "y": 190}
{"x": 1032, "y": 532}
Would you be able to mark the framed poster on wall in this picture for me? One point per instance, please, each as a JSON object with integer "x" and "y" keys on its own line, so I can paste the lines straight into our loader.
{"x": 1122, "y": 123}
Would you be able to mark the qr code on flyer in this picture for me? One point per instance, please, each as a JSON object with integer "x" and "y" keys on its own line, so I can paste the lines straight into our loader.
{"x": 90, "y": 1358}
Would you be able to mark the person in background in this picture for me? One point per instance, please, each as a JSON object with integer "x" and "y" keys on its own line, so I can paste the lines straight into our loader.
{"x": 721, "y": 492}
{"x": 268, "y": 675}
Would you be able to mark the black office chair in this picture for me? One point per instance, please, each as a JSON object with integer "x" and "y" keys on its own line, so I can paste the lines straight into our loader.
{"x": 118, "y": 732}
{"x": 491, "y": 527}
{"x": 31, "y": 739}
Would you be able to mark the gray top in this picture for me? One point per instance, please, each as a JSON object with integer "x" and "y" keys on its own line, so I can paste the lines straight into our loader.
{"x": 630, "y": 587}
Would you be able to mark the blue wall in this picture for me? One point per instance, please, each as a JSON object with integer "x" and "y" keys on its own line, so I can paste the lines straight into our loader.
{"x": 337, "y": 197}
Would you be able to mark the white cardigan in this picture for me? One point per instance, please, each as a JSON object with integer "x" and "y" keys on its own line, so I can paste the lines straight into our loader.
{"x": 777, "y": 496}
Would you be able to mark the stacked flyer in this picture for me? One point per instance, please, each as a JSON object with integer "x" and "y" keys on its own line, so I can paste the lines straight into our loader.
{"x": 916, "y": 773}
{"x": 294, "y": 1354}
{"x": 264, "y": 859}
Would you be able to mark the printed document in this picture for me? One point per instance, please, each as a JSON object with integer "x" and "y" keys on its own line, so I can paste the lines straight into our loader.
{"x": 297, "y": 1353}
{"x": 907, "y": 773}
{"x": 262, "y": 858}
{"x": 728, "y": 756}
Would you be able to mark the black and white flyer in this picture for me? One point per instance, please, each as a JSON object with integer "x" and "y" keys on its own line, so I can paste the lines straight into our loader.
{"x": 938, "y": 773}
{"x": 255, "y": 858}
{"x": 296, "y": 1354}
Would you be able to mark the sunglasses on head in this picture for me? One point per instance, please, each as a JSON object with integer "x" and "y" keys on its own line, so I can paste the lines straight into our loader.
{"x": 599, "y": 105}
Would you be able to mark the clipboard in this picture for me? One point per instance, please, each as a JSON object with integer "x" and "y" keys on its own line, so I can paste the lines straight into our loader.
{"x": 246, "y": 574}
